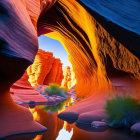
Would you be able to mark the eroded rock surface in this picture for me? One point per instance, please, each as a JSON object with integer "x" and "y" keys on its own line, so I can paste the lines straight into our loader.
{"x": 19, "y": 45}
{"x": 45, "y": 69}
{"x": 99, "y": 50}
{"x": 69, "y": 78}
{"x": 22, "y": 91}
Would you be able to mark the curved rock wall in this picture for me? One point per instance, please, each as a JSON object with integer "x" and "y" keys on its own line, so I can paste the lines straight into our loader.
{"x": 100, "y": 47}
{"x": 18, "y": 47}
{"x": 45, "y": 69}
{"x": 97, "y": 56}
{"x": 22, "y": 91}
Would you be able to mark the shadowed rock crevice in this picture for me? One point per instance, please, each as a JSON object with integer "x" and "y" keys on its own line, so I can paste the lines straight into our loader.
{"x": 4, "y": 15}
{"x": 128, "y": 38}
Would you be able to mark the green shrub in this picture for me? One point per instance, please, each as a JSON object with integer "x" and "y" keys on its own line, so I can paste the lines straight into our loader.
{"x": 122, "y": 111}
{"x": 55, "y": 89}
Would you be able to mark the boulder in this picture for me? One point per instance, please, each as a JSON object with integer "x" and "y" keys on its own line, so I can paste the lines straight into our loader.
{"x": 89, "y": 117}
{"x": 136, "y": 128}
{"x": 98, "y": 124}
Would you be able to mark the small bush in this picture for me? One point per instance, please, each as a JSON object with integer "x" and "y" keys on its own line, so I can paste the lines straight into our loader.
{"x": 55, "y": 89}
{"x": 122, "y": 111}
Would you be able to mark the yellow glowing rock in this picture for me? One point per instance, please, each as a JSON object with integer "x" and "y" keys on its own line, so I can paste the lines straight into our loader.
{"x": 69, "y": 78}
{"x": 95, "y": 55}
{"x": 73, "y": 79}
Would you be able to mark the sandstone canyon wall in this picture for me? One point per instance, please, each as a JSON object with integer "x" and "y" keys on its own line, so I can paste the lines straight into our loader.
{"x": 96, "y": 54}
{"x": 18, "y": 47}
{"x": 22, "y": 91}
{"x": 45, "y": 69}
{"x": 69, "y": 78}
{"x": 100, "y": 46}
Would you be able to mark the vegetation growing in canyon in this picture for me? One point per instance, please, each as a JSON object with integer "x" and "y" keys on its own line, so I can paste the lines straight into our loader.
{"x": 55, "y": 89}
{"x": 122, "y": 111}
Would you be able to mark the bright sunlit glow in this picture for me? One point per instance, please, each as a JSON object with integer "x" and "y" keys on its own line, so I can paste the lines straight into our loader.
{"x": 52, "y": 45}
{"x": 64, "y": 134}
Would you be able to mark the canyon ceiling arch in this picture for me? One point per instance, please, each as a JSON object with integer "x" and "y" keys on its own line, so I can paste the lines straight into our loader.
{"x": 97, "y": 54}
{"x": 100, "y": 48}
{"x": 87, "y": 36}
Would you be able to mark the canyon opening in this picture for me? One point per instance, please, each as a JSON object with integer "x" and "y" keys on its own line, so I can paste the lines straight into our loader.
{"x": 96, "y": 89}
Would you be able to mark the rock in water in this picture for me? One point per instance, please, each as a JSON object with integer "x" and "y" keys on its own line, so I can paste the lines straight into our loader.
{"x": 98, "y": 124}
{"x": 91, "y": 116}
{"x": 136, "y": 128}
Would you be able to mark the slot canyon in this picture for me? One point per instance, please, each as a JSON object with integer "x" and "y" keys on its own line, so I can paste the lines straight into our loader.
{"x": 103, "y": 45}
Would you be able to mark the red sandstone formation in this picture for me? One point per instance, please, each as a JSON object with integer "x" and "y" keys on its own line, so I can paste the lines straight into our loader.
{"x": 99, "y": 50}
{"x": 100, "y": 56}
{"x": 19, "y": 45}
{"x": 54, "y": 73}
{"x": 69, "y": 78}
{"x": 22, "y": 91}
{"x": 45, "y": 69}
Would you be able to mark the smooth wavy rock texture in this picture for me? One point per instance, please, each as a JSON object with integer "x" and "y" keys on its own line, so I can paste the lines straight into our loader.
{"x": 102, "y": 38}
{"x": 96, "y": 54}
{"x": 22, "y": 91}
{"x": 18, "y": 47}
{"x": 45, "y": 69}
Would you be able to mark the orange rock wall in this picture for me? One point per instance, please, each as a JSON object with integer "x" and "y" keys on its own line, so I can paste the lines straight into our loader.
{"x": 45, "y": 69}
{"x": 69, "y": 78}
{"x": 96, "y": 55}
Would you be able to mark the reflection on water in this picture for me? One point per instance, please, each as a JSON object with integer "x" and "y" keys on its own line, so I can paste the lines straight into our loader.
{"x": 47, "y": 115}
{"x": 65, "y": 134}
{"x": 58, "y": 107}
{"x": 61, "y": 130}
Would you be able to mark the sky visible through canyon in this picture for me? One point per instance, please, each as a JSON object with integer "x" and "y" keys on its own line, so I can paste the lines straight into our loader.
{"x": 51, "y": 45}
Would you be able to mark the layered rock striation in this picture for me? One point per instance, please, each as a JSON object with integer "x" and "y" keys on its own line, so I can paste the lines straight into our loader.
{"x": 45, "y": 69}
{"x": 22, "y": 92}
{"x": 102, "y": 39}
{"x": 19, "y": 45}
{"x": 69, "y": 78}
{"x": 99, "y": 50}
